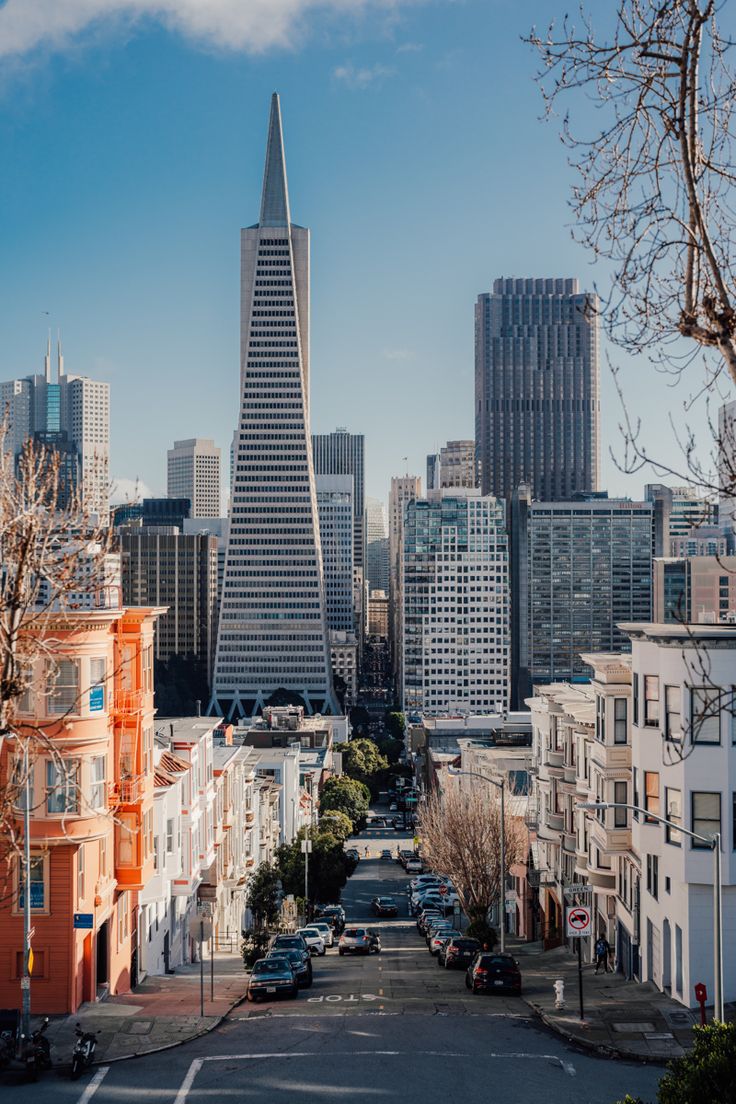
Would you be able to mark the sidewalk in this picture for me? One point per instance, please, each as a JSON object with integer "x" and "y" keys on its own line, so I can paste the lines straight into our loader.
{"x": 161, "y": 1012}
{"x": 622, "y": 1018}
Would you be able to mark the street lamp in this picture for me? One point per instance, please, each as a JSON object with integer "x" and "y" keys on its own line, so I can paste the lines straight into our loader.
{"x": 499, "y": 786}
{"x": 714, "y": 842}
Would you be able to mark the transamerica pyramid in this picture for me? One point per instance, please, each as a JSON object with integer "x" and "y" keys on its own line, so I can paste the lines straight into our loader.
{"x": 273, "y": 628}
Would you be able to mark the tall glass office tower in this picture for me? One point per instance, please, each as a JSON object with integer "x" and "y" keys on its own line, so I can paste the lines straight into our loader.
{"x": 273, "y": 627}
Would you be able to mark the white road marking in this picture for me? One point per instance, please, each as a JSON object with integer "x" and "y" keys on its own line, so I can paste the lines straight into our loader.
{"x": 93, "y": 1085}
{"x": 188, "y": 1081}
{"x": 256, "y": 1056}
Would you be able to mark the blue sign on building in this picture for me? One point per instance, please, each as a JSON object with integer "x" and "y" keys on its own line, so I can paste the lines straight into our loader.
{"x": 84, "y": 920}
{"x": 97, "y": 699}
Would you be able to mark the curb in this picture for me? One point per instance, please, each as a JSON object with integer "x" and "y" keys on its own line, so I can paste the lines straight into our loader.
{"x": 603, "y": 1050}
{"x": 166, "y": 1046}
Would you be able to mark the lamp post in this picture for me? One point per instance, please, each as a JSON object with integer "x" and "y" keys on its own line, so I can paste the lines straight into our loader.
{"x": 499, "y": 786}
{"x": 714, "y": 842}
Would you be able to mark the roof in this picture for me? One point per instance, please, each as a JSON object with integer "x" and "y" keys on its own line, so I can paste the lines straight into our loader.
{"x": 170, "y": 763}
{"x": 275, "y": 195}
{"x": 186, "y": 728}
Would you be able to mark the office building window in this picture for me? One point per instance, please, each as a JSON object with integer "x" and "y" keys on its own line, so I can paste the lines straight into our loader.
{"x": 651, "y": 793}
{"x": 620, "y": 816}
{"x": 673, "y": 800}
{"x": 706, "y": 815}
{"x": 705, "y": 715}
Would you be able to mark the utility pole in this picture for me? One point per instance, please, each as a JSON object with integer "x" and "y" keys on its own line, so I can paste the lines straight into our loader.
{"x": 26, "y": 979}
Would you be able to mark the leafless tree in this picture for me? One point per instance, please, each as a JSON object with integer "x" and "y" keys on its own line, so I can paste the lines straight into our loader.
{"x": 655, "y": 172}
{"x": 53, "y": 559}
{"x": 459, "y": 829}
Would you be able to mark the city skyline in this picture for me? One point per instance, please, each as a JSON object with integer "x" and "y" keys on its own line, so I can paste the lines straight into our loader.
{"x": 360, "y": 92}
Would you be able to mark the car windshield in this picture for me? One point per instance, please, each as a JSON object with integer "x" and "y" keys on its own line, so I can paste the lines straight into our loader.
{"x": 314, "y": 932}
{"x": 270, "y": 966}
{"x": 355, "y": 933}
{"x": 289, "y": 955}
{"x": 498, "y": 960}
{"x": 287, "y": 941}
{"x": 386, "y": 901}
{"x": 465, "y": 944}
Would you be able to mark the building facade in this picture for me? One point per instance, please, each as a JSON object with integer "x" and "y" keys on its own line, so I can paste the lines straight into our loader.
{"x": 273, "y": 631}
{"x": 343, "y": 453}
{"x": 376, "y": 562}
{"x": 453, "y": 466}
{"x": 579, "y": 568}
{"x": 678, "y": 511}
{"x": 193, "y": 472}
{"x": 404, "y": 489}
{"x": 335, "y": 508}
{"x": 455, "y": 588}
{"x": 537, "y": 403}
{"x": 71, "y": 417}
{"x": 92, "y": 794}
{"x": 694, "y": 590}
{"x": 163, "y": 567}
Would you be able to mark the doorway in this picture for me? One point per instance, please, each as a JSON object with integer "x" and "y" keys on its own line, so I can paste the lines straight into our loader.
{"x": 666, "y": 956}
{"x": 103, "y": 957}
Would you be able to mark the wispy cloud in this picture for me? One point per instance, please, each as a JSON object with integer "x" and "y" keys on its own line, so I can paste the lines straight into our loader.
{"x": 359, "y": 77}
{"x": 399, "y": 354}
{"x": 410, "y": 48}
{"x": 242, "y": 25}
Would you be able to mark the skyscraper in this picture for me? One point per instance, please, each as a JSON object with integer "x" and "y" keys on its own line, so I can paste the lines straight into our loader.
{"x": 453, "y": 466}
{"x": 537, "y": 402}
{"x": 343, "y": 453}
{"x": 193, "y": 472}
{"x": 273, "y": 623}
{"x": 578, "y": 569}
{"x": 70, "y": 415}
{"x": 404, "y": 488}
{"x": 335, "y": 506}
{"x": 455, "y": 624}
{"x": 376, "y": 545}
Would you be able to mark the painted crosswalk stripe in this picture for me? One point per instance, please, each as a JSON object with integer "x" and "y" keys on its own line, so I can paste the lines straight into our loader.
{"x": 93, "y": 1085}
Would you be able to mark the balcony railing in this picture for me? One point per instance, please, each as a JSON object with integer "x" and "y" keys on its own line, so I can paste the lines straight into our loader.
{"x": 128, "y": 701}
{"x": 131, "y": 789}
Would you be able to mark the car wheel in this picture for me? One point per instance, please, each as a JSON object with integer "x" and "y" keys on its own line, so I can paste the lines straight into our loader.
{"x": 341, "y": 952}
{"x": 323, "y": 952}
{"x": 467, "y": 983}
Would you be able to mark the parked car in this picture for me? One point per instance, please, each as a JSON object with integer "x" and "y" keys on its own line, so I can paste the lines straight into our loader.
{"x": 353, "y": 853}
{"x": 325, "y": 930}
{"x": 313, "y": 939}
{"x": 427, "y": 916}
{"x": 386, "y": 854}
{"x": 290, "y": 942}
{"x": 457, "y": 951}
{"x": 355, "y": 941}
{"x": 436, "y": 926}
{"x": 384, "y": 906}
{"x": 332, "y": 914}
{"x": 271, "y": 977}
{"x": 302, "y": 967}
{"x": 393, "y": 807}
{"x": 414, "y": 866}
{"x": 398, "y": 823}
{"x": 493, "y": 973}
{"x": 439, "y": 938}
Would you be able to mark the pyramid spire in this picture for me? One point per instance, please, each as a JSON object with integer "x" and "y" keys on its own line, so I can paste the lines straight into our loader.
{"x": 275, "y": 197}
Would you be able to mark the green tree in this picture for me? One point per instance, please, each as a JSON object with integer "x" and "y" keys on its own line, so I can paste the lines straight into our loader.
{"x": 360, "y": 719}
{"x": 340, "y": 825}
{"x": 707, "y": 1073}
{"x": 345, "y": 795}
{"x": 390, "y": 747}
{"x": 264, "y": 896}
{"x": 362, "y": 761}
{"x": 396, "y": 725}
{"x": 329, "y": 866}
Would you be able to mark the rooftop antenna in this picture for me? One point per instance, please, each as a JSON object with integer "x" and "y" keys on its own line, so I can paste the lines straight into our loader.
{"x": 47, "y": 359}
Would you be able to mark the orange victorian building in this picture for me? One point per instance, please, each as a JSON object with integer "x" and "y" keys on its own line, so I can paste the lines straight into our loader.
{"x": 91, "y": 810}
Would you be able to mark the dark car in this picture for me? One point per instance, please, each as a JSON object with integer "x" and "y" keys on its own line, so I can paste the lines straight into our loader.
{"x": 494, "y": 973}
{"x": 290, "y": 943}
{"x": 384, "y": 906}
{"x": 333, "y": 914}
{"x": 302, "y": 969}
{"x": 458, "y": 951}
{"x": 271, "y": 977}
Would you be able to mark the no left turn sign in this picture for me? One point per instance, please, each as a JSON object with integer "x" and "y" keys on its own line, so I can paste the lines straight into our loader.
{"x": 579, "y": 920}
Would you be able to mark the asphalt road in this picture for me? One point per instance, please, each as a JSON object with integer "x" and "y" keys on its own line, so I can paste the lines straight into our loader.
{"x": 389, "y": 1028}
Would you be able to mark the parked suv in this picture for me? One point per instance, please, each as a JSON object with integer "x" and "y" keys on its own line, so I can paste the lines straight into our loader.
{"x": 357, "y": 941}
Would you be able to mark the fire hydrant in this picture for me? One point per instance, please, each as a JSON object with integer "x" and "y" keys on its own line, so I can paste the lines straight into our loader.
{"x": 559, "y": 988}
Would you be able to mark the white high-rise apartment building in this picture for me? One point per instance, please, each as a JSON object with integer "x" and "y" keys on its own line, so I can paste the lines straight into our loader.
{"x": 193, "y": 472}
{"x": 273, "y": 621}
{"x": 70, "y": 415}
{"x": 404, "y": 488}
{"x": 455, "y": 604}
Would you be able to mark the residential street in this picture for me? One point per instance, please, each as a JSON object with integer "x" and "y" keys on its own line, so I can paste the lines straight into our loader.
{"x": 389, "y": 1028}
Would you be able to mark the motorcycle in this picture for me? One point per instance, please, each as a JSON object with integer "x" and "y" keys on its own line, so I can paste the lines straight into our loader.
{"x": 84, "y": 1051}
{"x": 36, "y": 1051}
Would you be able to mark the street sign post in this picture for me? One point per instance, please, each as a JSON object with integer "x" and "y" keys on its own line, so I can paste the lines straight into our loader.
{"x": 579, "y": 922}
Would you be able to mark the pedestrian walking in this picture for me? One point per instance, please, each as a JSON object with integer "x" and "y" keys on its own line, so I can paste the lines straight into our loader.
{"x": 602, "y": 951}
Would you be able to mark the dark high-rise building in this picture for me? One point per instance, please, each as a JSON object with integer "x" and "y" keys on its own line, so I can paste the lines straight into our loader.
{"x": 579, "y": 568}
{"x": 343, "y": 453}
{"x": 536, "y": 388}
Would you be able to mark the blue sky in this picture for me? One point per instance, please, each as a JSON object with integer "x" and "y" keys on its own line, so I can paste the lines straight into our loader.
{"x": 132, "y": 152}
